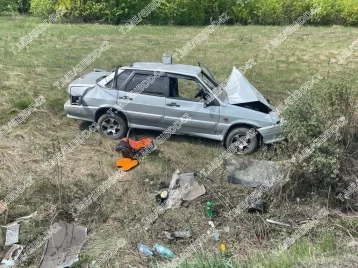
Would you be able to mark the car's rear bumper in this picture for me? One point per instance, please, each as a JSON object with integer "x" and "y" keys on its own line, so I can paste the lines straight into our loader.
{"x": 272, "y": 134}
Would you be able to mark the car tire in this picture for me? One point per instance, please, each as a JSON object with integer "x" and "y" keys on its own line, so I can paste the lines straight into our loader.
{"x": 250, "y": 145}
{"x": 112, "y": 127}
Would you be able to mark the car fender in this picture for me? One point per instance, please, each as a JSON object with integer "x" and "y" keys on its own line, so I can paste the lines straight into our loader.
{"x": 110, "y": 108}
{"x": 239, "y": 123}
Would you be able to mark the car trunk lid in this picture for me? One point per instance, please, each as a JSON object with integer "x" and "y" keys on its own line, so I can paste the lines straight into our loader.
{"x": 79, "y": 86}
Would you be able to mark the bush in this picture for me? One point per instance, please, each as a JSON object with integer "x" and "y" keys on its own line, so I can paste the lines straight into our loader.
{"x": 349, "y": 11}
{"x": 311, "y": 116}
{"x": 328, "y": 14}
{"x": 8, "y": 5}
{"x": 43, "y": 8}
{"x": 194, "y": 12}
{"x": 268, "y": 12}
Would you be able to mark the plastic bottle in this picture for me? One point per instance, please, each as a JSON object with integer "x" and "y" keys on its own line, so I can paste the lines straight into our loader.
{"x": 145, "y": 250}
{"x": 163, "y": 251}
{"x": 182, "y": 234}
{"x": 209, "y": 209}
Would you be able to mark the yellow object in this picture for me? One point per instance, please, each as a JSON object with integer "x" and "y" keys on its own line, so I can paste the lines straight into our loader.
{"x": 223, "y": 247}
{"x": 126, "y": 164}
{"x": 164, "y": 194}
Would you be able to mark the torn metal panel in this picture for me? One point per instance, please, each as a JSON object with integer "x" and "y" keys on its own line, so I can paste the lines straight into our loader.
{"x": 12, "y": 234}
{"x": 196, "y": 189}
{"x": 240, "y": 90}
{"x": 63, "y": 248}
{"x": 11, "y": 256}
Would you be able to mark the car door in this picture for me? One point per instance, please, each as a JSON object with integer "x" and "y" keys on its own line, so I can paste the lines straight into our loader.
{"x": 181, "y": 100}
{"x": 143, "y": 99}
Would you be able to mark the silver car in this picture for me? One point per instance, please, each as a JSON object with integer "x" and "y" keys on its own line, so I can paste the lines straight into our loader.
{"x": 155, "y": 95}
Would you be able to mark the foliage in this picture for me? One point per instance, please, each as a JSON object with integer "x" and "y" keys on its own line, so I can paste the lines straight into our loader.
{"x": 349, "y": 11}
{"x": 43, "y": 8}
{"x": 193, "y": 12}
{"x": 8, "y": 5}
{"x": 314, "y": 114}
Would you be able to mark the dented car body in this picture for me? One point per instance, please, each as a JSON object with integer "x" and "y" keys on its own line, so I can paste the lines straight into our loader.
{"x": 155, "y": 95}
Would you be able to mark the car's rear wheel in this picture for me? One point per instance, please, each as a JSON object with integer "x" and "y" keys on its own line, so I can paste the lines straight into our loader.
{"x": 242, "y": 141}
{"x": 112, "y": 126}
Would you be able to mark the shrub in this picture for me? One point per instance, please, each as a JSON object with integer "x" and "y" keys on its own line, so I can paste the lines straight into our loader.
{"x": 43, "y": 8}
{"x": 328, "y": 14}
{"x": 241, "y": 14}
{"x": 349, "y": 11}
{"x": 311, "y": 116}
{"x": 194, "y": 12}
{"x": 8, "y": 5}
{"x": 292, "y": 10}
{"x": 269, "y": 12}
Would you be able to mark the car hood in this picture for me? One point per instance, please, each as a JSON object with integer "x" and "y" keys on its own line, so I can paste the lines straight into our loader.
{"x": 239, "y": 90}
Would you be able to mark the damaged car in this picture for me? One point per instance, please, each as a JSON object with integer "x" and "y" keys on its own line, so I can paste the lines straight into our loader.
{"x": 155, "y": 95}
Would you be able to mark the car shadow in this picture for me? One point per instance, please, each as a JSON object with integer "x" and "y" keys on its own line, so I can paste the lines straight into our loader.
{"x": 138, "y": 134}
{"x": 85, "y": 125}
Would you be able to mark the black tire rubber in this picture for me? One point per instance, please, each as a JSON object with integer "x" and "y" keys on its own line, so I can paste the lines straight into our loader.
{"x": 122, "y": 123}
{"x": 254, "y": 141}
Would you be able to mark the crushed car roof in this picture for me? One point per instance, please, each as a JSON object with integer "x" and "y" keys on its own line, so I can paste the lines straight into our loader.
{"x": 171, "y": 68}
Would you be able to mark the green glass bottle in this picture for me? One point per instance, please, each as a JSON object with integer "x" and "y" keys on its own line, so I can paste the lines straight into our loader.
{"x": 209, "y": 209}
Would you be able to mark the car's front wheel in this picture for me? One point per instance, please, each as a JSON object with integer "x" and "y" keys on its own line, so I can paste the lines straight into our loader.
{"x": 112, "y": 126}
{"x": 242, "y": 141}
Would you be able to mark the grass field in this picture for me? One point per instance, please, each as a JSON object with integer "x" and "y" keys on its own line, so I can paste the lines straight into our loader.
{"x": 34, "y": 70}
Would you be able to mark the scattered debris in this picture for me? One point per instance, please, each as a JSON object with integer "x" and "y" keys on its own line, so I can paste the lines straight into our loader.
{"x": 11, "y": 256}
{"x": 216, "y": 236}
{"x": 3, "y": 207}
{"x": 211, "y": 224}
{"x": 12, "y": 234}
{"x": 145, "y": 250}
{"x": 252, "y": 173}
{"x": 255, "y": 205}
{"x": 163, "y": 251}
{"x": 165, "y": 235}
{"x": 63, "y": 247}
{"x": 175, "y": 179}
{"x": 223, "y": 248}
{"x": 126, "y": 164}
{"x": 162, "y": 197}
{"x": 227, "y": 229}
{"x": 176, "y": 234}
{"x": 174, "y": 196}
{"x": 182, "y": 234}
{"x": 278, "y": 223}
{"x": 209, "y": 209}
{"x": 174, "y": 199}
{"x": 196, "y": 189}
{"x": 25, "y": 218}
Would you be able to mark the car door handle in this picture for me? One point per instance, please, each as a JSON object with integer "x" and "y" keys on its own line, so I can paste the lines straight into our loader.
{"x": 126, "y": 98}
{"x": 173, "y": 104}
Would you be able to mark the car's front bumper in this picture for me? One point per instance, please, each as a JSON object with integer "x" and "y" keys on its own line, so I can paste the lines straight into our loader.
{"x": 77, "y": 112}
{"x": 272, "y": 133}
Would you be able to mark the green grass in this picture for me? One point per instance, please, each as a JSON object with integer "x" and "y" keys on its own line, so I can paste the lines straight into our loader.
{"x": 33, "y": 71}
